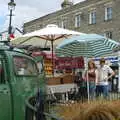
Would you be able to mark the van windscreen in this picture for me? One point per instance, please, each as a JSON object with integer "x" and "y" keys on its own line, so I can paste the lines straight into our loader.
{"x": 24, "y": 66}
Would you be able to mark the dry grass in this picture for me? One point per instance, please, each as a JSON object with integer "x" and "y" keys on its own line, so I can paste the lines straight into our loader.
{"x": 96, "y": 110}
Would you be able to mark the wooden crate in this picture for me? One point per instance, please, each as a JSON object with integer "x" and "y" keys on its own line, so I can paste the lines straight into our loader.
{"x": 53, "y": 81}
{"x": 68, "y": 79}
{"x": 65, "y": 79}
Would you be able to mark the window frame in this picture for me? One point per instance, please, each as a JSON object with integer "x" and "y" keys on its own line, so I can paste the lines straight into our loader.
{"x": 108, "y": 34}
{"x": 64, "y": 23}
{"x": 108, "y": 13}
{"x": 92, "y": 17}
{"x": 77, "y": 20}
{"x": 4, "y": 71}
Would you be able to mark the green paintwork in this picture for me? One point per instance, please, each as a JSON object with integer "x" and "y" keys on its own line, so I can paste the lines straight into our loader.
{"x": 5, "y": 109}
{"x": 16, "y": 89}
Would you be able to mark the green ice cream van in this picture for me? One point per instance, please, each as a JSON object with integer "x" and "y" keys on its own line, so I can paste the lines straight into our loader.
{"x": 19, "y": 83}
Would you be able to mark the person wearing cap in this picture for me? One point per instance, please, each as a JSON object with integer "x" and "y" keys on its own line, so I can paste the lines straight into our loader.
{"x": 104, "y": 73}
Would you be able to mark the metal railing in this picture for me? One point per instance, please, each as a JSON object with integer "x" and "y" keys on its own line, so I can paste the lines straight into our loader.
{"x": 80, "y": 94}
{"x": 35, "y": 111}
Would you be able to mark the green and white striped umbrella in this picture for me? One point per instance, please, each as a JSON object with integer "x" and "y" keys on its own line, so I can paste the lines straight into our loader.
{"x": 88, "y": 45}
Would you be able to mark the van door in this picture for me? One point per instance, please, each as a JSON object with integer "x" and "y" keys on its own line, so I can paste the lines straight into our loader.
{"x": 5, "y": 99}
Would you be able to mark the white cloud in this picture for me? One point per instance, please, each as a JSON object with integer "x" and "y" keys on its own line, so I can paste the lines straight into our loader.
{"x": 23, "y": 14}
{"x": 27, "y": 10}
{"x": 26, "y": 13}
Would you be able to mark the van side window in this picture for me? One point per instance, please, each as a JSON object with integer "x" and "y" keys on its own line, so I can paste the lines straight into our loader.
{"x": 24, "y": 66}
{"x": 2, "y": 74}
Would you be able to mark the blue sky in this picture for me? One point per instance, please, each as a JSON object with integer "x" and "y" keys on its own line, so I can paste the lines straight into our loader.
{"x": 27, "y": 10}
{"x": 2, "y": 20}
{"x": 3, "y": 15}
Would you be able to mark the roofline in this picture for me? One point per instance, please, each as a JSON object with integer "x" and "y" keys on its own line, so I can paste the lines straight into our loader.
{"x": 83, "y": 4}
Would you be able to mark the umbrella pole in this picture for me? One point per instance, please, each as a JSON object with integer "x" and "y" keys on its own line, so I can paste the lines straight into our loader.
{"x": 52, "y": 59}
{"x": 88, "y": 92}
{"x": 118, "y": 71}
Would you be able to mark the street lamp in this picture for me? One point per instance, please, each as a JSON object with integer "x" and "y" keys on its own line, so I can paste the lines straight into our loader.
{"x": 11, "y": 7}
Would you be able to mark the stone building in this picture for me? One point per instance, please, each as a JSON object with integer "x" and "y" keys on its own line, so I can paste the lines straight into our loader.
{"x": 91, "y": 16}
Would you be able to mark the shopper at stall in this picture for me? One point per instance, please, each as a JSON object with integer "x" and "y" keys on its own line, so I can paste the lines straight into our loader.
{"x": 104, "y": 73}
{"x": 91, "y": 77}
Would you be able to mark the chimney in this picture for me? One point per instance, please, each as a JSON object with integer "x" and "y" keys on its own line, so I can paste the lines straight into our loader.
{"x": 66, "y": 3}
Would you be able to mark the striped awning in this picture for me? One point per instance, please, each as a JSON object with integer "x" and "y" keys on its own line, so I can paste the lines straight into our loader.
{"x": 89, "y": 45}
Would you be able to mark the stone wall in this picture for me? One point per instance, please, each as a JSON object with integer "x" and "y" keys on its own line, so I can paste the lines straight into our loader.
{"x": 83, "y": 8}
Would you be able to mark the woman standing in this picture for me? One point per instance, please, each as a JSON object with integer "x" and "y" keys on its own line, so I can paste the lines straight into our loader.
{"x": 91, "y": 76}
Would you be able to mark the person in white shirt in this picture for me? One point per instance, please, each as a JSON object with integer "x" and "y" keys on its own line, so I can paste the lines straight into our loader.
{"x": 103, "y": 76}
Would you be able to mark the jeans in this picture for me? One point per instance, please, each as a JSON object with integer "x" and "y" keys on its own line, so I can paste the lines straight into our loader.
{"x": 102, "y": 89}
{"x": 92, "y": 88}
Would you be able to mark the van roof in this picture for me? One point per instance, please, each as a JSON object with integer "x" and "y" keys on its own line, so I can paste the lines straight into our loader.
{"x": 3, "y": 46}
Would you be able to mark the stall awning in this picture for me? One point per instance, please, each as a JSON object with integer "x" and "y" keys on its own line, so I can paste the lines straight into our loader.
{"x": 46, "y": 54}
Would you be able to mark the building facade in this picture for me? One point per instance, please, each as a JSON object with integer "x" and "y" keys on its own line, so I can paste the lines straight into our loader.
{"x": 91, "y": 16}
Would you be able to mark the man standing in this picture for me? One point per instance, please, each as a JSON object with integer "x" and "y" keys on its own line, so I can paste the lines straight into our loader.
{"x": 104, "y": 73}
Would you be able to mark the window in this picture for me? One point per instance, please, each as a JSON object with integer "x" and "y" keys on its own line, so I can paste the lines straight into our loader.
{"x": 92, "y": 17}
{"x": 64, "y": 23}
{"x": 40, "y": 26}
{"x": 108, "y": 34}
{"x": 108, "y": 13}
{"x": 2, "y": 73}
{"x": 24, "y": 66}
{"x": 77, "y": 20}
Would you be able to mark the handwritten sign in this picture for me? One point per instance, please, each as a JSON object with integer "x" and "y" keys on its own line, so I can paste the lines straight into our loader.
{"x": 69, "y": 63}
